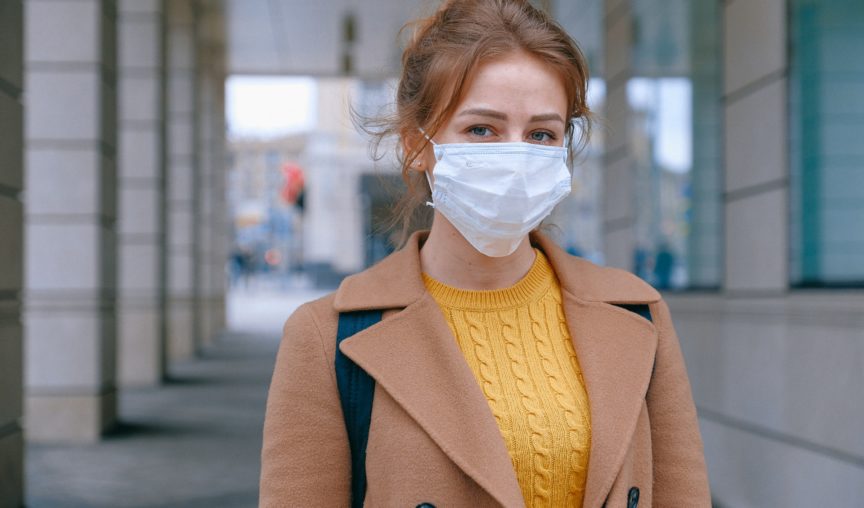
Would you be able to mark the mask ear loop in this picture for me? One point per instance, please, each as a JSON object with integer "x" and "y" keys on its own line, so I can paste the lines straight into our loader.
{"x": 429, "y": 179}
{"x": 426, "y": 172}
{"x": 422, "y": 131}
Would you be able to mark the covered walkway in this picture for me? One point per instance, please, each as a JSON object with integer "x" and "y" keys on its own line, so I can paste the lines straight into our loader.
{"x": 193, "y": 442}
{"x": 725, "y": 167}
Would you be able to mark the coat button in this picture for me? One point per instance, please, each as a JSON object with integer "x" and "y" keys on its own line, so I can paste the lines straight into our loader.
{"x": 425, "y": 505}
{"x": 633, "y": 498}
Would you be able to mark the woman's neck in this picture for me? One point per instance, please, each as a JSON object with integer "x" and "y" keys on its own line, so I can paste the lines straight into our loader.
{"x": 447, "y": 257}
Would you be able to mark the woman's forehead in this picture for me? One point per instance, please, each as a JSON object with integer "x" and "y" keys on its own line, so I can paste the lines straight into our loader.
{"x": 515, "y": 83}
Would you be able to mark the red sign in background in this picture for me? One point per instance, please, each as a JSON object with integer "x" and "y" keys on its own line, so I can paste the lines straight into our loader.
{"x": 293, "y": 186}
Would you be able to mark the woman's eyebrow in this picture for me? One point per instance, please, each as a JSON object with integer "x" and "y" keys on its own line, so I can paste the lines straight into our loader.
{"x": 484, "y": 112}
{"x": 547, "y": 117}
{"x": 503, "y": 116}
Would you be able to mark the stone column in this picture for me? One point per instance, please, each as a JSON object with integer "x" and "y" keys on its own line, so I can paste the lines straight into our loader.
{"x": 221, "y": 238}
{"x": 142, "y": 176}
{"x": 204, "y": 231}
{"x": 756, "y": 133}
{"x": 211, "y": 120}
{"x": 11, "y": 251}
{"x": 619, "y": 179}
{"x": 70, "y": 244}
{"x": 182, "y": 181}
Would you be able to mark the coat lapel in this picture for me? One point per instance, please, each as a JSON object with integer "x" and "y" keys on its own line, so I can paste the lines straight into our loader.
{"x": 413, "y": 355}
{"x": 615, "y": 348}
{"x": 616, "y": 353}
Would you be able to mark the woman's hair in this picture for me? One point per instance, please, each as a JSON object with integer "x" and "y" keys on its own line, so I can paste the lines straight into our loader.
{"x": 438, "y": 63}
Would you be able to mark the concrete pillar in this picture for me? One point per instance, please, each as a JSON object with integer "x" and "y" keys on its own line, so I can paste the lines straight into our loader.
{"x": 183, "y": 181}
{"x": 204, "y": 231}
{"x": 756, "y": 133}
{"x": 142, "y": 185}
{"x": 221, "y": 240}
{"x": 619, "y": 180}
{"x": 70, "y": 240}
{"x": 11, "y": 251}
{"x": 211, "y": 120}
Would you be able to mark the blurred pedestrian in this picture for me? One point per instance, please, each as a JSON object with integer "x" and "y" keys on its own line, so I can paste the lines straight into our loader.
{"x": 481, "y": 365}
{"x": 240, "y": 266}
{"x": 664, "y": 266}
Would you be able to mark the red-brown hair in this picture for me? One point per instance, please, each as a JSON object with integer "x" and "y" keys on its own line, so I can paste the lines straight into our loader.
{"x": 442, "y": 54}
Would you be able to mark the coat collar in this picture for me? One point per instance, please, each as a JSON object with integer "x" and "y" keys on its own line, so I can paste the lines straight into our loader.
{"x": 396, "y": 281}
{"x": 413, "y": 356}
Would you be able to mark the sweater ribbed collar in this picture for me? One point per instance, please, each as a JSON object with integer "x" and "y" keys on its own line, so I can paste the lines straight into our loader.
{"x": 530, "y": 288}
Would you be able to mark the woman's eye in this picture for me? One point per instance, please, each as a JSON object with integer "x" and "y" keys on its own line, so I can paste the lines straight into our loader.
{"x": 541, "y": 137}
{"x": 480, "y": 131}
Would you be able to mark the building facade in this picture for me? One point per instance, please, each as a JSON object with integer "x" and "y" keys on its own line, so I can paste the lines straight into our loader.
{"x": 112, "y": 200}
{"x": 769, "y": 300}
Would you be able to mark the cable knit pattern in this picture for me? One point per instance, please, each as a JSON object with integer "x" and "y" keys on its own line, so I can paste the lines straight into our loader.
{"x": 518, "y": 346}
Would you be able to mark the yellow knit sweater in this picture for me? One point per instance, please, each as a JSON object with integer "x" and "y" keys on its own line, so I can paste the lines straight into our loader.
{"x": 517, "y": 344}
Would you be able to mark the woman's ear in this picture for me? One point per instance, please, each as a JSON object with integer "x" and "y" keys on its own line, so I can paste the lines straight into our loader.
{"x": 411, "y": 142}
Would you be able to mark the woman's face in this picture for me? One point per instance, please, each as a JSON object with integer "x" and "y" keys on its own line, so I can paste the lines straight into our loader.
{"x": 513, "y": 98}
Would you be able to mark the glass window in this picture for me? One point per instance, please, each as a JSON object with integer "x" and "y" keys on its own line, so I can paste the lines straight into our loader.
{"x": 674, "y": 97}
{"x": 577, "y": 220}
{"x": 826, "y": 94}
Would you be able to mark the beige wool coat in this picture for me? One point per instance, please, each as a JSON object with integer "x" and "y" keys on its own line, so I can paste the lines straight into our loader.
{"x": 433, "y": 438}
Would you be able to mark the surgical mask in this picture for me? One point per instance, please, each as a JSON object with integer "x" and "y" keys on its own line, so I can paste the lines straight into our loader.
{"x": 494, "y": 194}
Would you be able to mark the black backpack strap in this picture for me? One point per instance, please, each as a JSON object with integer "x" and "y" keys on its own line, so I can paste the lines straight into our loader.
{"x": 356, "y": 391}
{"x": 637, "y": 308}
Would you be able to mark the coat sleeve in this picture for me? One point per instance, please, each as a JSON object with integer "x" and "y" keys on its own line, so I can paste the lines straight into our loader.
{"x": 680, "y": 476}
{"x": 305, "y": 458}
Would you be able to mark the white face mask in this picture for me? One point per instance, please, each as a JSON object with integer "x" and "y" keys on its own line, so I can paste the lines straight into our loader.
{"x": 494, "y": 194}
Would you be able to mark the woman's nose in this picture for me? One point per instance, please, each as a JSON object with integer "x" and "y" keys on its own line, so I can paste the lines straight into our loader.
{"x": 512, "y": 136}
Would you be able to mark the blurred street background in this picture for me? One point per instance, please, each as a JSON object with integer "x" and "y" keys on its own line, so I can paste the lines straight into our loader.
{"x": 177, "y": 176}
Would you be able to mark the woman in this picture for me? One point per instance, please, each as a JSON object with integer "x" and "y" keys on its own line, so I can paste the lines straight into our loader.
{"x": 506, "y": 372}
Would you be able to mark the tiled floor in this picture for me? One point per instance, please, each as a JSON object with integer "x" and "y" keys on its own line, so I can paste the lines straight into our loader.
{"x": 194, "y": 442}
